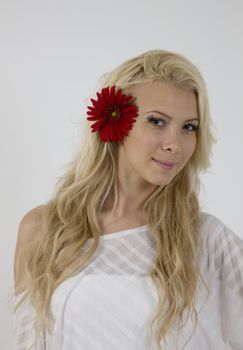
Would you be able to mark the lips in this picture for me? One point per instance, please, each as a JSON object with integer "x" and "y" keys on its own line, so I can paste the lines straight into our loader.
{"x": 165, "y": 162}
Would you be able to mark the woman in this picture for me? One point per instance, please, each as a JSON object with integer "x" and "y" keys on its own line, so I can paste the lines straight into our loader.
{"x": 122, "y": 257}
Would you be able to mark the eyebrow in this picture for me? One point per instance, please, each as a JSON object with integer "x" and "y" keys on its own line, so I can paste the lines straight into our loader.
{"x": 166, "y": 115}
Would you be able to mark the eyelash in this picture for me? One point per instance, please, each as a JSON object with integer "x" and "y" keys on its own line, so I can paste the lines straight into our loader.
{"x": 195, "y": 127}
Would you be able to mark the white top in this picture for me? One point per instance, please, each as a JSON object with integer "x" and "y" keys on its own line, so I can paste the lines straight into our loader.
{"x": 109, "y": 304}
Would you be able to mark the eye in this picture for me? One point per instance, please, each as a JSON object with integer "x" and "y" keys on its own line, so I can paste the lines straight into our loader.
{"x": 191, "y": 127}
{"x": 161, "y": 122}
{"x": 155, "y": 121}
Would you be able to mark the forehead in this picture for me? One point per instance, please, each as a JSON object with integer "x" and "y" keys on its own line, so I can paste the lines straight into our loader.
{"x": 165, "y": 97}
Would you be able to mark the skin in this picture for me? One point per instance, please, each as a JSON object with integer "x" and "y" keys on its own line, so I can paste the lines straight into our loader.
{"x": 172, "y": 138}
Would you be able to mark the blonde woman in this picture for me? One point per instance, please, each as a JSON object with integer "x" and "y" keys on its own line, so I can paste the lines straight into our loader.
{"x": 122, "y": 257}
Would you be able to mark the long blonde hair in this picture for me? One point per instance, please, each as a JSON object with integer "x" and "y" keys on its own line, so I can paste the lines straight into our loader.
{"x": 71, "y": 216}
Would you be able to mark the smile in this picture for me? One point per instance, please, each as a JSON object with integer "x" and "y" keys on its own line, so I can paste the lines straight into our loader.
{"x": 165, "y": 165}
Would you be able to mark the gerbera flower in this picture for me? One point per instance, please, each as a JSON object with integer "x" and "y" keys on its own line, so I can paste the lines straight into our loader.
{"x": 114, "y": 114}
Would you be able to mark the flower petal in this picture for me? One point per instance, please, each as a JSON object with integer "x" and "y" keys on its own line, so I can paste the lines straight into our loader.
{"x": 109, "y": 100}
{"x": 95, "y": 103}
{"x": 112, "y": 95}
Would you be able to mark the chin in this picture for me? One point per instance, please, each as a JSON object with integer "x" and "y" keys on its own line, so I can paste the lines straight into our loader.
{"x": 161, "y": 182}
{"x": 167, "y": 180}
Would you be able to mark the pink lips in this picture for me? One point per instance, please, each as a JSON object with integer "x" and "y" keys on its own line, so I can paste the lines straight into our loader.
{"x": 165, "y": 165}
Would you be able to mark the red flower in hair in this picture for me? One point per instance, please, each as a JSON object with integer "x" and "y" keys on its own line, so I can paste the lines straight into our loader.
{"x": 114, "y": 114}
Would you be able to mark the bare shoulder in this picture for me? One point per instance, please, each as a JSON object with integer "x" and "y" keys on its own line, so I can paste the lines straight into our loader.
{"x": 26, "y": 232}
{"x": 28, "y": 225}
{"x": 30, "y": 221}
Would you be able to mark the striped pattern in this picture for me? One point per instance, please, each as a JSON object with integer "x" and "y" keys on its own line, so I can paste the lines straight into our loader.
{"x": 24, "y": 334}
{"x": 109, "y": 304}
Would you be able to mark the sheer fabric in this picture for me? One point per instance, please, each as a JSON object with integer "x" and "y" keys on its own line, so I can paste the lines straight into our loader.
{"x": 110, "y": 303}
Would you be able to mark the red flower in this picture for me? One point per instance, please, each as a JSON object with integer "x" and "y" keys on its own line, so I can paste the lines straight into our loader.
{"x": 114, "y": 114}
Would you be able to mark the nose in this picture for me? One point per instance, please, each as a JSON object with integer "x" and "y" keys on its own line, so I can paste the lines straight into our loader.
{"x": 171, "y": 141}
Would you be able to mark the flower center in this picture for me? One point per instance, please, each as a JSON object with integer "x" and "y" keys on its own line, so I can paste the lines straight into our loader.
{"x": 114, "y": 114}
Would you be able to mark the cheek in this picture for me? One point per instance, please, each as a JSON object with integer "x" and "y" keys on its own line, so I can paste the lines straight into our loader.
{"x": 148, "y": 141}
{"x": 142, "y": 142}
{"x": 140, "y": 151}
{"x": 190, "y": 147}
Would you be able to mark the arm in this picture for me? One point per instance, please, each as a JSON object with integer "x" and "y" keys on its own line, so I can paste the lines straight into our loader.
{"x": 26, "y": 233}
{"x": 23, "y": 318}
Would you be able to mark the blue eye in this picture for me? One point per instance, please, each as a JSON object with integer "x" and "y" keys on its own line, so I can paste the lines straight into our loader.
{"x": 156, "y": 120}
{"x": 189, "y": 127}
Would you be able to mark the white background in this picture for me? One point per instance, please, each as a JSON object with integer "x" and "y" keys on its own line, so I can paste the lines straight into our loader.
{"x": 52, "y": 54}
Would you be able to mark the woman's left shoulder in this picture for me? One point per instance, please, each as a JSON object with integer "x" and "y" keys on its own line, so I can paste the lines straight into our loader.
{"x": 213, "y": 228}
{"x": 222, "y": 250}
{"x": 222, "y": 266}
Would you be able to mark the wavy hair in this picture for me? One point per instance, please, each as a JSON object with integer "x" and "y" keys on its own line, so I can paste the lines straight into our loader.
{"x": 70, "y": 217}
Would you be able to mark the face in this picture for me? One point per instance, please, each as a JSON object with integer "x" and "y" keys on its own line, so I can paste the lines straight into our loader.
{"x": 163, "y": 138}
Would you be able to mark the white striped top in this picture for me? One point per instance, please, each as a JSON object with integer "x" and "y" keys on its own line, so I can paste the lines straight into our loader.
{"x": 109, "y": 304}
